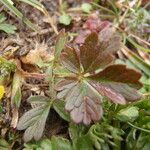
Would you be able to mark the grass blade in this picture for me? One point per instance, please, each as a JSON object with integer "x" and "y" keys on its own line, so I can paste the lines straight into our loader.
{"x": 136, "y": 60}
{"x": 13, "y": 9}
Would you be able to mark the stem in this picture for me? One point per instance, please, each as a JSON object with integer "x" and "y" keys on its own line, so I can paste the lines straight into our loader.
{"x": 136, "y": 127}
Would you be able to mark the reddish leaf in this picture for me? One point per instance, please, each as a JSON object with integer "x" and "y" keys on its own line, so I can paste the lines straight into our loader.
{"x": 83, "y": 92}
{"x": 117, "y": 92}
{"x": 81, "y": 37}
{"x": 94, "y": 56}
{"x": 92, "y": 24}
{"x": 64, "y": 86}
{"x": 144, "y": 2}
{"x": 89, "y": 110}
{"x": 129, "y": 93}
{"x": 81, "y": 102}
{"x": 70, "y": 59}
{"x": 115, "y": 81}
{"x": 119, "y": 73}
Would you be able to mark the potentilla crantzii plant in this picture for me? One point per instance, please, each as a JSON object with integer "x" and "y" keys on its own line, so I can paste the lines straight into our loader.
{"x": 89, "y": 75}
{"x": 95, "y": 76}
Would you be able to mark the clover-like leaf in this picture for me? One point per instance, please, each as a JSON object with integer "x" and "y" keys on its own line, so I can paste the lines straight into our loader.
{"x": 93, "y": 77}
{"x": 34, "y": 120}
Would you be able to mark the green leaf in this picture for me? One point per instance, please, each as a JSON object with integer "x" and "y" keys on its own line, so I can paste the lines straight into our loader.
{"x": 65, "y": 19}
{"x": 83, "y": 142}
{"x": 34, "y": 121}
{"x": 128, "y": 114}
{"x": 35, "y": 4}
{"x": 86, "y": 7}
{"x": 59, "y": 106}
{"x": 7, "y": 65}
{"x": 137, "y": 61}
{"x": 8, "y": 28}
{"x": 2, "y": 18}
{"x": 60, "y": 143}
{"x": 38, "y": 100}
{"x": 6, "y": 68}
{"x": 16, "y": 89}
{"x": 60, "y": 43}
{"x": 4, "y": 145}
{"x": 139, "y": 141}
{"x": 61, "y": 71}
{"x": 55, "y": 143}
{"x": 46, "y": 144}
{"x": 13, "y": 9}
{"x": 144, "y": 104}
{"x": 138, "y": 46}
{"x": 102, "y": 135}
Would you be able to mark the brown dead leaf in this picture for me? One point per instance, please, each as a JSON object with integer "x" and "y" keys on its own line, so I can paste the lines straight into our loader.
{"x": 38, "y": 54}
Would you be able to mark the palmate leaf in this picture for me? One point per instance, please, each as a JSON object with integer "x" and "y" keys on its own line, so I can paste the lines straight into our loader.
{"x": 81, "y": 101}
{"x": 96, "y": 55}
{"x": 34, "y": 120}
{"x": 95, "y": 77}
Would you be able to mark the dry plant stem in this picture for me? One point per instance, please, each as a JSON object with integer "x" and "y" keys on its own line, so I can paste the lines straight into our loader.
{"x": 122, "y": 18}
{"x": 125, "y": 6}
{"x": 15, "y": 117}
{"x": 60, "y": 2}
{"x": 138, "y": 38}
{"x": 107, "y": 16}
{"x": 50, "y": 20}
{"x": 41, "y": 32}
{"x": 103, "y": 8}
{"x": 77, "y": 9}
{"x": 146, "y": 94}
{"x": 145, "y": 56}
